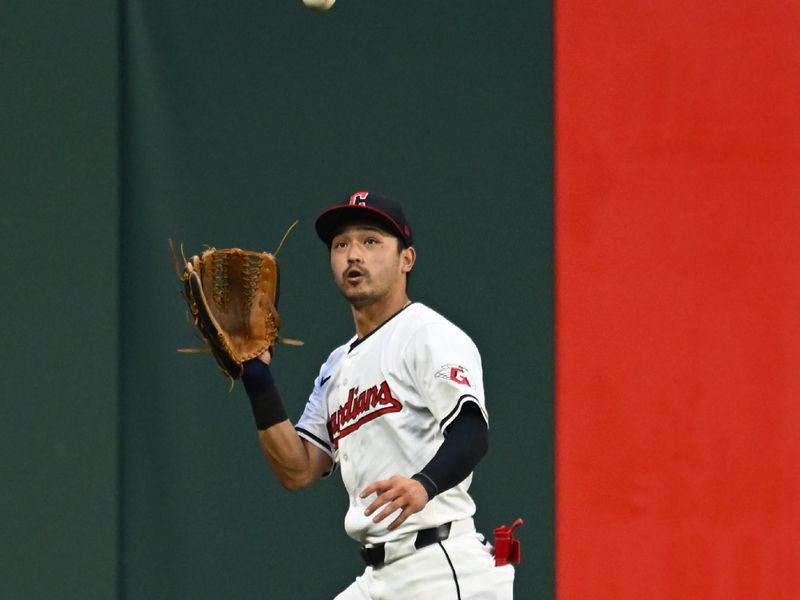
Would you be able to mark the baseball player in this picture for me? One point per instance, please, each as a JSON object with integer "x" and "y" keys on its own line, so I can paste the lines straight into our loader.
{"x": 399, "y": 409}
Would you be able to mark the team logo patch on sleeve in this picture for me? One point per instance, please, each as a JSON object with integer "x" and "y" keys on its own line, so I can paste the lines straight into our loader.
{"x": 455, "y": 373}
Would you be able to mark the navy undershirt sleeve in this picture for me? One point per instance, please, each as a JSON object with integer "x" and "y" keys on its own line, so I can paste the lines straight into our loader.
{"x": 263, "y": 393}
{"x": 465, "y": 444}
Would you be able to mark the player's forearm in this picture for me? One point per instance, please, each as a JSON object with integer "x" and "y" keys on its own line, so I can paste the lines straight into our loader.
{"x": 465, "y": 445}
{"x": 285, "y": 451}
{"x": 288, "y": 456}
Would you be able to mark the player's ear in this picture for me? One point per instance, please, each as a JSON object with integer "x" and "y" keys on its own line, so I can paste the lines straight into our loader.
{"x": 408, "y": 256}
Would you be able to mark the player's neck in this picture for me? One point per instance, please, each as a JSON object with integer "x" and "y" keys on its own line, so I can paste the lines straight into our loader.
{"x": 368, "y": 318}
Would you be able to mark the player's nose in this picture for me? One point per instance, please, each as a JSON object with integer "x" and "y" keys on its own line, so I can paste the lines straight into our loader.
{"x": 353, "y": 254}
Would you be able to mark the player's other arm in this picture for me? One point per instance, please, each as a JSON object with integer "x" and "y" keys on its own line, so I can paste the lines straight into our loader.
{"x": 295, "y": 462}
{"x": 466, "y": 444}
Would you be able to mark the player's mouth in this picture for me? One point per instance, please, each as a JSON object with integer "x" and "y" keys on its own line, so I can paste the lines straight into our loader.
{"x": 354, "y": 275}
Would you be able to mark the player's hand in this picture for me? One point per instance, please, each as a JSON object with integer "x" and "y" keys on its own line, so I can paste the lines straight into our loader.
{"x": 265, "y": 357}
{"x": 395, "y": 493}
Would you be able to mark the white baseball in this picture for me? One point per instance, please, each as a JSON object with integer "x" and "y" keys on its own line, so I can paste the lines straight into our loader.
{"x": 319, "y": 4}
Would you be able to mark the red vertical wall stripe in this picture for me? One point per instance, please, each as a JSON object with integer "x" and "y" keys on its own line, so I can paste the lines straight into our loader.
{"x": 678, "y": 299}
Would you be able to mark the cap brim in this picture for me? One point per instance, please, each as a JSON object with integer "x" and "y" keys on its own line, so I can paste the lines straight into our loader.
{"x": 332, "y": 219}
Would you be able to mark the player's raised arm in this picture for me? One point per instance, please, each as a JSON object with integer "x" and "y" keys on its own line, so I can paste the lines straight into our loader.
{"x": 232, "y": 295}
{"x": 295, "y": 462}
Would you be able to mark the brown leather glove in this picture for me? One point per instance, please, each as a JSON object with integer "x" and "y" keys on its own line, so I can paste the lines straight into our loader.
{"x": 232, "y": 296}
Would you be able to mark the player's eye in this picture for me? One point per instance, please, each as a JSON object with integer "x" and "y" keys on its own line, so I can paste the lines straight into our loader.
{"x": 371, "y": 241}
{"x": 340, "y": 244}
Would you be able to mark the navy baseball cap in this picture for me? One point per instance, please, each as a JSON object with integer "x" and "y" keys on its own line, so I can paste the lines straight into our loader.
{"x": 364, "y": 205}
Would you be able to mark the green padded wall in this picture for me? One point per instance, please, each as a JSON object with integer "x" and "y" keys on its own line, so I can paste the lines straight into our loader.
{"x": 58, "y": 291}
{"x": 129, "y": 470}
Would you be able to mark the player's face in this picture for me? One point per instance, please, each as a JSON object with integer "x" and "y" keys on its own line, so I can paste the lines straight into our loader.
{"x": 369, "y": 264}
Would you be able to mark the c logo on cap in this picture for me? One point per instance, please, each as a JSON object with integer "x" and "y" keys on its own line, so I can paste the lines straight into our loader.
{"x": 359, "y": 198}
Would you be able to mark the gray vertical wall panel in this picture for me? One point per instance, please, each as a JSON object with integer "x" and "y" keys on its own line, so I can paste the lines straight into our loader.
{"x": 240, "y": 117}
{"x": 58, "y": 292}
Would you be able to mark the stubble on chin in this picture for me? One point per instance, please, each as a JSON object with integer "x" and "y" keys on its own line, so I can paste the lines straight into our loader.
{"x": 358, "y": 299}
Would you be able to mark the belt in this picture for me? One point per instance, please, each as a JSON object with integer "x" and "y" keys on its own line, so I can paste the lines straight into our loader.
{"x": 375, "y": 555}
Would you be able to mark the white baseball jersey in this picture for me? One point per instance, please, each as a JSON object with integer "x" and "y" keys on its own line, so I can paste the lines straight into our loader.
{"x": 380, "y": 406}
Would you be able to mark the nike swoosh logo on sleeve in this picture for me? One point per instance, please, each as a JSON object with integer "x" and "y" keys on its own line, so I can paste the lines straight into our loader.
{"x": 324, "y": 380}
